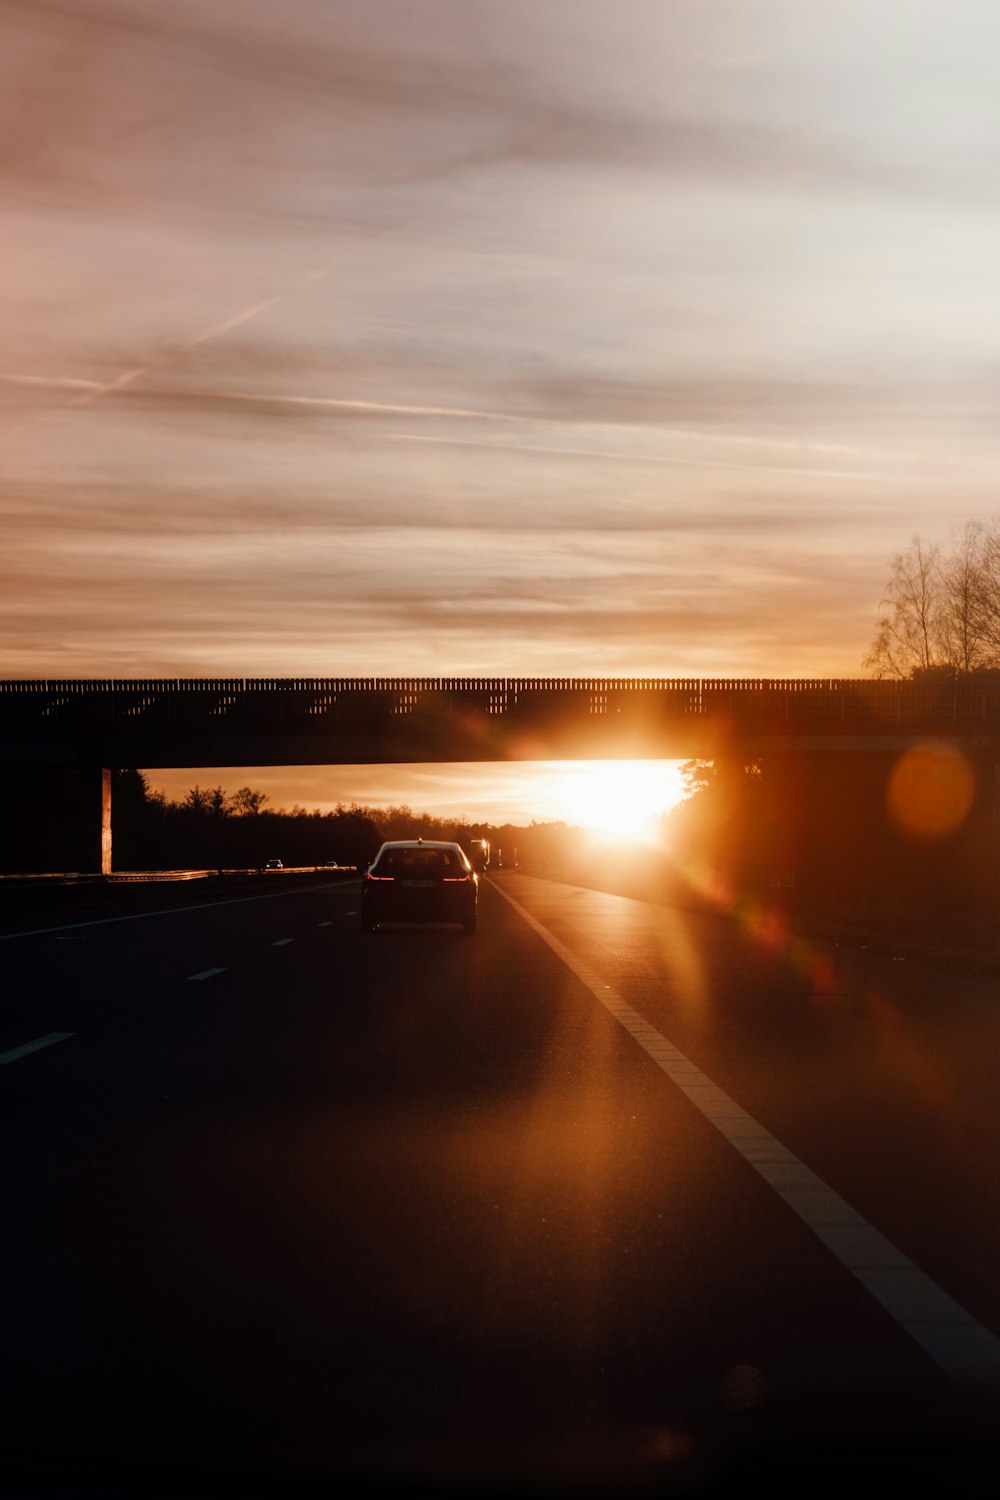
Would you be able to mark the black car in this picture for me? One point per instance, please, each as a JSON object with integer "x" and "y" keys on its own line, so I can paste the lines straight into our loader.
{"x": 415, "y": 880}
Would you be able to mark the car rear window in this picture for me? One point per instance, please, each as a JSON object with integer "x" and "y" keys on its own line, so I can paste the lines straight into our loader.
{"x": 419, "y": 861}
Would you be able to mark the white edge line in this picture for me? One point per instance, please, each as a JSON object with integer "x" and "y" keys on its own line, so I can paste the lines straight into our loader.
{"x": 36, "y": 1046}
{"x": 962, "y": 1347}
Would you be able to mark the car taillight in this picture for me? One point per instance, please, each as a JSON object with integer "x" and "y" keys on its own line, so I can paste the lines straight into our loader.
{"x": 455, "y": 879}
{"x": 370, "y": 876}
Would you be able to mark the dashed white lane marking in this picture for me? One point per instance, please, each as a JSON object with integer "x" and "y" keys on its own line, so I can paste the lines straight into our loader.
{"x": 206, "y": 974}
{"x": 170, "y": 911}
{"x": 36, "y": 1046}
{"x": 282, "y": 942}
{"x": 327, "y": 924}
{"x": 966, "y": 1350}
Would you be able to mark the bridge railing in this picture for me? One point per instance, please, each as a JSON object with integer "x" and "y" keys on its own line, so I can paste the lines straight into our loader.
{"x": 344, "y": 704}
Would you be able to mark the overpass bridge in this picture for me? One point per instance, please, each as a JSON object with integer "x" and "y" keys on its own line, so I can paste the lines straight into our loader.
{"x": 80, "y": 728}
{"x": 377, "y": 720}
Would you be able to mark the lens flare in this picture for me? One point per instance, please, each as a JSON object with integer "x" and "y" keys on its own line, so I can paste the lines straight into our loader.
{"x": 931, "y": 790}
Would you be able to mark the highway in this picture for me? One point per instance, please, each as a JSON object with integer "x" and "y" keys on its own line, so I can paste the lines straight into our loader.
{"x": 609, "y": 1191}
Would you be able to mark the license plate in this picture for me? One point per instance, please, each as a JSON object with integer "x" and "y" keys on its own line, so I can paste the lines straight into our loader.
{"x": 423, "y": 885}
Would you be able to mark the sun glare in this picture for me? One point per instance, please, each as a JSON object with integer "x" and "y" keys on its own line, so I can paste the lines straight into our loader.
{"x": 620, "y": 798}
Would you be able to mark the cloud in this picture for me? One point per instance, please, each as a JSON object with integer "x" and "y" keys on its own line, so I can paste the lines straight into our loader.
{"x": 153, "y": 102}
{"x": 675, "y": 461}
{"x": 239, "y": 114}
{"x": 101, "y": 511}
{"x": 115, "y": 386}
{"x": 773, "y": 414}
{"x": 221, "y": 600}
{"x": 52, "y": 382}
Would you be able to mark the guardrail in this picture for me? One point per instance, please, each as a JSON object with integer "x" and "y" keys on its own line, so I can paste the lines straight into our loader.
{"x": 152, "y": 877}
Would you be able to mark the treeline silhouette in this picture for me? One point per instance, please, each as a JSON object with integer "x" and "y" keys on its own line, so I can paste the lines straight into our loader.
{"x": 210, "y": 828}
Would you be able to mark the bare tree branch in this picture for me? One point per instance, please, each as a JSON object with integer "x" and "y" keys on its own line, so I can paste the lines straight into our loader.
{"x": 909, "y": 634}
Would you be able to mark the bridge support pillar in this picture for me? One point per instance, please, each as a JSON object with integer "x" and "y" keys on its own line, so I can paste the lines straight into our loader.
{"x": 55, "y": 819}
{"x": 94, "y": 826}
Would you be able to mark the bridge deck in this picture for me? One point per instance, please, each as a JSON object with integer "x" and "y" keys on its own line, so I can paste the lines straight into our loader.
{"x": 194, "y": 721}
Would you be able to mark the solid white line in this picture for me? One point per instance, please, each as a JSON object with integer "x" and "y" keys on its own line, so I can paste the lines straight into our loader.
{"x": 206, "y": 974}
{"x": 281, "y": 942}
{"x": 962, "y": 1347}
{"x": 167, "y": 911}
{"x": 28, "y": 1047}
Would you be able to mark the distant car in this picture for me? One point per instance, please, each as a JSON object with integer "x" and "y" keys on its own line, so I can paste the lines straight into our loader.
{"x": 416, "y": 880}
{"x": 274, "y": 864}
{"x": 479, "y": 853}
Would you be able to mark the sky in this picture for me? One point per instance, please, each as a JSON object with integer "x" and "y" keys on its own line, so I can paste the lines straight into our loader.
{"x": 622, "y": 798}
{"x": 444, "y": 337}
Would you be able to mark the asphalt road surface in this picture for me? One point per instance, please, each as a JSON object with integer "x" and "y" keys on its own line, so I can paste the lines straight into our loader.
{"x": 610, "y": 1197}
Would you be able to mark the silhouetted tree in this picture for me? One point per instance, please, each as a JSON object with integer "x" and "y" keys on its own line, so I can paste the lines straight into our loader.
{"x": 966, "y": 615}
{"x": 247, "y": 802}
{"x": 941, "y": 607}
{"x": 196, "y": 800}
{"x": 909, "y": 632}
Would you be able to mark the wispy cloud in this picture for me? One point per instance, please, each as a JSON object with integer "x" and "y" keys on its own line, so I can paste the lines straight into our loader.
{"x": 179, "y": 106}
{"x": 52, "y": 382}
{"x": 687, "y": 461}
{"x": 214, "y": 331}
{"x": 717, "y": 416}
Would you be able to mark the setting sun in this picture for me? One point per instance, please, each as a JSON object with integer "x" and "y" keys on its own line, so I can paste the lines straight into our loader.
{"x": 623, "y": 798}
